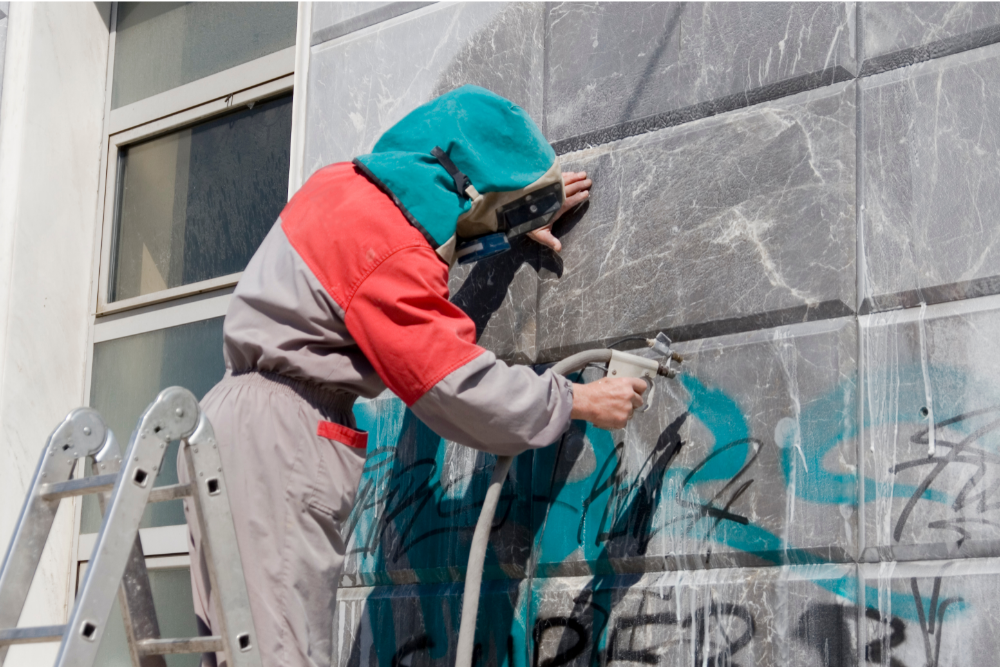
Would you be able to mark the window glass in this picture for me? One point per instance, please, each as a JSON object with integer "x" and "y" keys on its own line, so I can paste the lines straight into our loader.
{"x": 196, "y": 203}
{"x": 162, "y": 45}
{"x": 174, "y": 606}
{"x": 128, "y": 374}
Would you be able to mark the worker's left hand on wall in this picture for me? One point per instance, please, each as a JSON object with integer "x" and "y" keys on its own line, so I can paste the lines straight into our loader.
{"x": 577, "y": 187}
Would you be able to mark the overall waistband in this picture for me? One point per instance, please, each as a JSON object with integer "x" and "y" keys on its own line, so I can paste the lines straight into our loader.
{"x": 327, "y": 401}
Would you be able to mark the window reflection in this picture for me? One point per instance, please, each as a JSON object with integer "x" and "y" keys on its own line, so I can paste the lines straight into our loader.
{"x": 195, "y": 204}
{"x": 162, "y": 45}
{"x": 129, "y": 372}
{"x": 174, "y": 604}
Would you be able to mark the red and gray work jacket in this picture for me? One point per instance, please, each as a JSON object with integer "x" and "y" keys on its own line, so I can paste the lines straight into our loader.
{"x": 346, "y": 293}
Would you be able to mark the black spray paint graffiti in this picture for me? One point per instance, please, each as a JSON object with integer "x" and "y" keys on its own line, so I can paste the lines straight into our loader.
{"x": 412, "y": 508}
{"x": 827, "y": 628}
{"x": 712, "y": 634}
{"x": 633, "y": 497}
{"x": 978, "y": 494}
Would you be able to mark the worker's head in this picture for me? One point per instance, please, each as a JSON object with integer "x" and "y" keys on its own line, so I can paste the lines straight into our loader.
{"x": 468, "y": 166}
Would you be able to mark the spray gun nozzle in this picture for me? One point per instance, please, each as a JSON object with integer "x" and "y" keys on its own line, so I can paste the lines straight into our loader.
{"x": 666, "y": 371}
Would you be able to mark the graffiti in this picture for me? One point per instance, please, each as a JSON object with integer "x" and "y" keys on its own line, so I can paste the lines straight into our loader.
{"x": 705, "y": 487}
{"x": 978, "y": 492}
{"x": 416, "y": 491}
{"x": 716, "y": 634}
{"x": 408, "y": 510}
{"x": 631, "y": 504}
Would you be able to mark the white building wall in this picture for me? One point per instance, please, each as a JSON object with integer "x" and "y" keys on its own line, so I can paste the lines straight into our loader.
{"x": 4, "y": 10}
{"x": 51, "y": 120}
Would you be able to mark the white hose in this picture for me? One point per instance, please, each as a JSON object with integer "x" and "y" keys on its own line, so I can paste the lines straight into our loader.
{"x": 481, "y": 536}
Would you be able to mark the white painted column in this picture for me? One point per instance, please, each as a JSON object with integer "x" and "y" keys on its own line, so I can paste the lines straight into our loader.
{"x": 51, "y": 121}
{"x": 4, "y": 9}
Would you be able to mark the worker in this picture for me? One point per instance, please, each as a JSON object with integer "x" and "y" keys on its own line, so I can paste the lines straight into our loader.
{"x": 348, "y": 295}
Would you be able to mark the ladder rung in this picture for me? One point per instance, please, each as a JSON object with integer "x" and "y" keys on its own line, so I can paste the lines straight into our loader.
{"x": 78, "y": 487}
{"x": 169, "y": 646}
{"x": 172, "y": 492}
{"x": 43, "y": 633}
{"x": 102, "y": 483}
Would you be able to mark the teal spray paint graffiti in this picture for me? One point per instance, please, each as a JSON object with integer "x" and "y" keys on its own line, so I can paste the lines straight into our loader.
{"x": 409, "y": 518}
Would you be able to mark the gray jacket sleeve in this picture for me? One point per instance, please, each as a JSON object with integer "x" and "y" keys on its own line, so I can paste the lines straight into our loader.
{"x": 497, "y": 408}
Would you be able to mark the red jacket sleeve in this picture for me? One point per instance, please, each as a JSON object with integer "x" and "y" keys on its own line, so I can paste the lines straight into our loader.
{"x": 402, "y": 320}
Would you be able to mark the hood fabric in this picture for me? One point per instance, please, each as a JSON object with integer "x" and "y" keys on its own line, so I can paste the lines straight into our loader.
{"x": 488, "y": 138}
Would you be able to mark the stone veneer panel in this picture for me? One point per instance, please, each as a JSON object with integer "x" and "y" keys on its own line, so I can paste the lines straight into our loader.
{"x": 931, "y": 613}
{"x": 804, "y": 616}
{"x": 747, "y": 458}
{"x": 737, "y": 222}
{"x": 896, "y": 34}
{"x": 361, "y": 85}
{"x": 930, "y": 141}
{"x": 935, "y": 368}
{"x": 500, "y": 294}
{"x": 418, "y": 625}
{"x": 618, "y": 69}
{"x": 331, "y": 20}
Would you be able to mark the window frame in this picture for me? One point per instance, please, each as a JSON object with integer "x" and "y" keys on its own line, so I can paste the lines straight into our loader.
{"x": 207, "y": 110}
{"x": 269, "y": 76}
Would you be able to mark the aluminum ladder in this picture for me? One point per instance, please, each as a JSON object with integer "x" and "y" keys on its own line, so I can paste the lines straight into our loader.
{"x": 117, "y": 565}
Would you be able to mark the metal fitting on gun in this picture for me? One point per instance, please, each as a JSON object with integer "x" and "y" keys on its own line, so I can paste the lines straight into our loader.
{"x": 666, "y": 371}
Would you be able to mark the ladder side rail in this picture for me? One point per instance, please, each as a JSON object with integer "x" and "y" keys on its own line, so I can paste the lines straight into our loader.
{"x": 210, "y": 500}
{"x": 172, "y": 416}
{"x": 135, "y": 595}
{"x": 82, "y": 432}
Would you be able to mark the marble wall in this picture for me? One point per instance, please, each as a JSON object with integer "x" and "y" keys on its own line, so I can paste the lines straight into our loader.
{"x": 803, "y": 195}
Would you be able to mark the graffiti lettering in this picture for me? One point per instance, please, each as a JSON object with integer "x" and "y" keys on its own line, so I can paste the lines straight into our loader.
{"x": 720, "y": 632}
{"x": 958, "y": 453}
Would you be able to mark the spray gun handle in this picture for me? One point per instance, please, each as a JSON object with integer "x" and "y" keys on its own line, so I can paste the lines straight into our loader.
{"x": 625, "y": 365}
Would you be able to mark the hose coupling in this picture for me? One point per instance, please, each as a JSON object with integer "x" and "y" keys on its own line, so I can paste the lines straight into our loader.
{"x": 666, "y": 371}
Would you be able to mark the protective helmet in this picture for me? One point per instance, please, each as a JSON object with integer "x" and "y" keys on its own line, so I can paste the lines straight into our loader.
{"x": 470, "y": 170}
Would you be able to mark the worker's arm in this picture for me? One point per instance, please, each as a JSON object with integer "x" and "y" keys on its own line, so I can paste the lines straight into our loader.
{"x": 423, "y": 347}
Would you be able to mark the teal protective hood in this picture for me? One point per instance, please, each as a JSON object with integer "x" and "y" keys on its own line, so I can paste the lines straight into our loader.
{"x": 490, "y": 139}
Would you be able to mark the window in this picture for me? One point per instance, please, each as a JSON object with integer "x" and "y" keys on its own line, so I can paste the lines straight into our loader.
{"x": 198, "y": 125}
{"x": 193, "y": 205}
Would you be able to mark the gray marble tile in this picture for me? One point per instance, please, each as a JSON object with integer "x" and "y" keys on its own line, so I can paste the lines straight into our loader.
{"x": 732, "y": 223}
{"x": 500, "y": 294}
{"x": 418, "y": 625}
{"x": 620, "y": 69}
{"x": 747, "y": 458}
{"x": 930, "y": 136}
{"x": 804, "y": 616}
{"x": 938, "y": 369}
{"x": 361, "y": 85}
{"x": 418, "y": 502}
{"x": 331, "y": 20}
{"x": 896, "y": 34}
{"x": 931, "y": 613}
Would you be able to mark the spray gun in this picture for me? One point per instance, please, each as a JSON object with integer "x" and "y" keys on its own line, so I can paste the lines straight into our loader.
{"x": 625, "y": 365}
{"x": 619, "y": 365}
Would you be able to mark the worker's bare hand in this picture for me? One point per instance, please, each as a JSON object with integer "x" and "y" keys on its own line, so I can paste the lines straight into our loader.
{"x": 609, "y": 402}
{"x": 577, "y": 188}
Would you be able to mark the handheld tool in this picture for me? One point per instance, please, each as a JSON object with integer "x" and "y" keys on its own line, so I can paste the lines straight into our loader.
{"x": 619, "y": 364}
